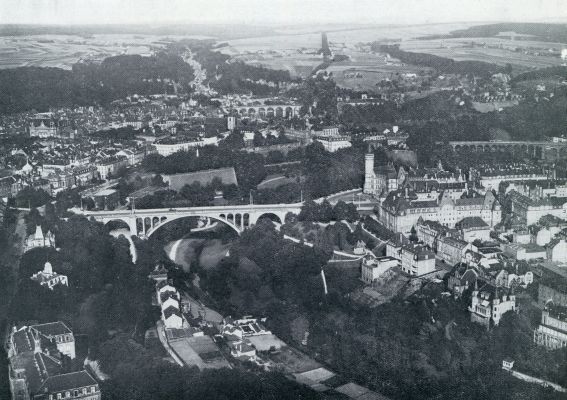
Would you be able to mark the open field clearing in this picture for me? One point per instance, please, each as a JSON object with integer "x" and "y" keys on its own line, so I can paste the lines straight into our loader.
{"x": 461, "y": 50}
{"x": 296, "y": 50}
{"x": 64, "y": 50}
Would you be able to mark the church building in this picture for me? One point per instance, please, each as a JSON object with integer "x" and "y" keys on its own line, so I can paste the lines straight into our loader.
{"x": 38, "y": 239}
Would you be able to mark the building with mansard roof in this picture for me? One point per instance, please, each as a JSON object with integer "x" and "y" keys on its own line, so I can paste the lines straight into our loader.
{"x": 36, "y": 354}
{"x": 401, "y": 209}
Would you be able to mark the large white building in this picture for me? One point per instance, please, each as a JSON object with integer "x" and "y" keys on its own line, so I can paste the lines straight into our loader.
{"x": 170, "y": 146}
{"x": 373, "y": 268}
{"x": 557, "y": 250}
{"x": 58, "y": 333}
{"x": 333, "y": 143}
{"x": 401, "y": 210}
{"x": 552, "y": 332}
{"x": 530, "y": 211}
{"x": 491, "y": 178}
{"x": 49, "y": 278}
{"x": 37, "y": 369}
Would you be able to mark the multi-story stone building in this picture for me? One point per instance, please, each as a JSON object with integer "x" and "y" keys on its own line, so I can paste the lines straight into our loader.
{"x": 473, "y": 228}
{"x": 452, "y": 250}
{"x": 491, "y": 177}
{"x": 373, "y": 268}
{"x": 489, "y": 304}
{"x": 400, "y": 211}
{"x": 417, "y": 260}
{"x": 552, "y": 331}
{"x": 380, "y": 180}
{"x": 333, "y": 143}
{"x": 552, "y": 287}
{"x": 110, "y": 166}
{"x": 36, "y": 370}
{"x": 430, "y": 232}
{"x": 557, "y": 250}
{"x": 530, "y": 211}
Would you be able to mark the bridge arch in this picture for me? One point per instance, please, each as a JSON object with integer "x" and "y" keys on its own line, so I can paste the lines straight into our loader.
{"x": 279, "y": 112}
{"x": 118, "y": 223}
{"x": 225, "y": 221}
{"x": 262, "y": 112}
{"x": 273, "y": 216}
{"x": 288, "y": 112}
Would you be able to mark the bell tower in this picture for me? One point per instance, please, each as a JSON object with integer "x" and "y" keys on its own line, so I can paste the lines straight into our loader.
{"x": 369, "y": 173}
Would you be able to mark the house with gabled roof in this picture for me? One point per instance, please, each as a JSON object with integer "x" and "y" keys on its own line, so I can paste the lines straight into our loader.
{"x": 489, "y": 304}
{"x": 36, "y": 356}
{"x": 172, "y": 317}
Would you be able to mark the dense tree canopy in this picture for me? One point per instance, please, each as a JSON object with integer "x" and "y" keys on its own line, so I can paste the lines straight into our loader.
{"x": 27, "y": 88}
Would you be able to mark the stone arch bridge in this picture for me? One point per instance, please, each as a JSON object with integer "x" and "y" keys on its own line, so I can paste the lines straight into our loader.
{"x": 240, "y": 217}
{"x": 549, "y": 151}
{"x": 279, "y": 111}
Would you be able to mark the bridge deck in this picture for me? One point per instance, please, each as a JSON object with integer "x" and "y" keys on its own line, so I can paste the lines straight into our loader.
{"x": 207, "y": 209}
{"x": 508, "y": 142}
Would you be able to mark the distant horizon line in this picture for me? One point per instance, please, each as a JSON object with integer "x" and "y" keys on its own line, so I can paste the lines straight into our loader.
{"x": 558, "y": 20}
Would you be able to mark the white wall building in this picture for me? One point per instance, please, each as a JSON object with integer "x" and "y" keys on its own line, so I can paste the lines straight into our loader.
{"x": 373, "y": 268}
{"x": 417, "y": 260}
{"x": 49, "y": 278}
{"x": 489, "y": 304}
{"x": 552, "y": 331}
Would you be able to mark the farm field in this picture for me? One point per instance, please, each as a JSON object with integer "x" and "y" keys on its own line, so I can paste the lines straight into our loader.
{"x": 63, "y": 51}
{"x": 461, "y": 50}
{"x": 296, "y": 50}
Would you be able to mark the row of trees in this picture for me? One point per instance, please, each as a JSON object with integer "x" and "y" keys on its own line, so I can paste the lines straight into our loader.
{"x": 441, "y": 64}
{"x": 139, "y": 375}
{"x": 325, "y": 212}
{"x": 249, "y": 168}
{"x": 193, "y": 195}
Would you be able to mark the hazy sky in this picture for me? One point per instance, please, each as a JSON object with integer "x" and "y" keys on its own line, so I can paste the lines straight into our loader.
{"x": 278, "y": 11}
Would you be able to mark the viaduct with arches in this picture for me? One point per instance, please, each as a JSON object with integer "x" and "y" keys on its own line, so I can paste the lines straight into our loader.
{"x": 549, "y": 151}
{"x": 263, "y": 111}
{"x": 240, "y": 217}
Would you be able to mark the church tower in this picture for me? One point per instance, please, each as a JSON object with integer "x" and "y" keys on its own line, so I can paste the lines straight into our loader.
{"x": 369, "y": 173}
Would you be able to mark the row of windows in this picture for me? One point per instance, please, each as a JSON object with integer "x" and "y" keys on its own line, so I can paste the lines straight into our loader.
{"x": 74, "y": 393}
{"x": 63, "y": 338}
